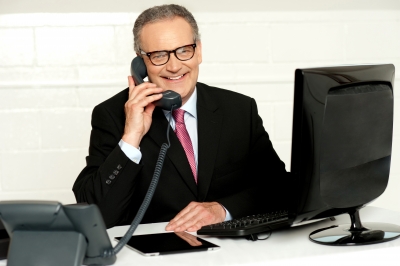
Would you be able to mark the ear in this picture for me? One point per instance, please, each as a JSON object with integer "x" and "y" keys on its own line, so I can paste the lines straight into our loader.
{"x": 199, "y": 52}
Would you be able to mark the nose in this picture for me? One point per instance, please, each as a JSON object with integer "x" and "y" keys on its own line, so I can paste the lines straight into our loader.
{"x": 173, "y": 64}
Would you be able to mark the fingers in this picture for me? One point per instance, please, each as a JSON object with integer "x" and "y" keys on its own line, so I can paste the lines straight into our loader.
{"x": 139, "y": 110}
{"x": 131, "y": 83}
{"x": 188, "y": 210}
{"x": 196, "y": 215}
{"x": 141, "y": 91}
{"x": 143, "y": 100}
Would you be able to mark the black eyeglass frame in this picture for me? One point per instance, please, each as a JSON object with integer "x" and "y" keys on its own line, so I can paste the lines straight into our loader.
{"x": 169, "y": 53}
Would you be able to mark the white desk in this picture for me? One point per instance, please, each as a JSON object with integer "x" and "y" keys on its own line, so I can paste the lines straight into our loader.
{"x": 285, "y": 247}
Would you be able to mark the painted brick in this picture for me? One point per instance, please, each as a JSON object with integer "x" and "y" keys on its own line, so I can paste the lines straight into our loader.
{"x": 213, "y": 73}
{"x": 388, "y": 199}
{"x": 251, "y": 73}
{"x": 395, "y": 165}
{"x": 57, "y": 98}
{"x": 66, "y": 19}
{"x": 269, "y": 92}
{"x": 235, "y": 43}
{"x": 104, "y": 73}
{"x": 34, "y": 76}
{"x": 303, "y": 42}
{"x": 17, "y": 47}
{"x": 21, "y": 171}
{"x": 21, "y": 98}
{"x": 247, "y": 72}
{"x": 65, "y": 128}
{"x": 266, "y": 112}
{"x": 396, "y": 116}
{"x": 65, "y": 196}
{"x": 63, "y": 167}
{"x": 62, "y": 46}
{"x": 1, "y": 172}
{"x": 259, "y": 72}
{"x": 223, "y": 85}
{"x": 283, "y": 121}
{"x": 90, "y": 97}
{"x": 124, "y": 52}
{"x": 20, "y": 130}
{"x": 373, "y": 41}
{"x": 41, "y": 170}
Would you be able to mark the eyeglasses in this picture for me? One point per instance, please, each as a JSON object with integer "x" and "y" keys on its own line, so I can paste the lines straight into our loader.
{"x": 159, "y": 58}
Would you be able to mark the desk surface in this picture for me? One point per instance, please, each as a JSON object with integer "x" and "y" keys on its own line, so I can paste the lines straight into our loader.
{"x": 284, "y": 247}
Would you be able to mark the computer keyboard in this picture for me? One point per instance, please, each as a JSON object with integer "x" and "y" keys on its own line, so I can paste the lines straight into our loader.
{"x": 248, "y": 225}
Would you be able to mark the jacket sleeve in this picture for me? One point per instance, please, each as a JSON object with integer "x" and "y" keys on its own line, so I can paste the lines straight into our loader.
{"x": 108, "y": 179}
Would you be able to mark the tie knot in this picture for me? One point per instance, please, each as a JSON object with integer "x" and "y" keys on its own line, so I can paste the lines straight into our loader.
{"x": 178, "y": 115}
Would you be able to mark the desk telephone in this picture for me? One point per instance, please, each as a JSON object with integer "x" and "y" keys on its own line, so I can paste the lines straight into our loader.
{"x": 170, "y": 100}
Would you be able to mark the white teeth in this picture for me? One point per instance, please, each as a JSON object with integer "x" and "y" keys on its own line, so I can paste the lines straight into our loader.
{"x": 175, "y": 78}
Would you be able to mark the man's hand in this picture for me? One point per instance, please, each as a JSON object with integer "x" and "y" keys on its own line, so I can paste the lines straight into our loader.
{"x": 196, "y": 215}
{"x": 138, "y": 110}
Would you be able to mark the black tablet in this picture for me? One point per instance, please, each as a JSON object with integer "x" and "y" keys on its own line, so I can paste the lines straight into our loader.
{"x": 168, "y": 243}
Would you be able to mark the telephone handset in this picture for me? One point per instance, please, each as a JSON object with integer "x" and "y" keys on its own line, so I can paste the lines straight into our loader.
{"x": 170, "y": 100}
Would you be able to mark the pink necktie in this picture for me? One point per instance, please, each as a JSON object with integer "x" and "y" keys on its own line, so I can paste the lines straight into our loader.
{"x": 184, "y": 138}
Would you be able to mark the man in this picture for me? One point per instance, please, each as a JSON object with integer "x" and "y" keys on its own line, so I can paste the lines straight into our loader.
{"x": 230, "y": 168}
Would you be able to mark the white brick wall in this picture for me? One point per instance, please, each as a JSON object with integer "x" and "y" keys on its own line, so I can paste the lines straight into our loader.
{"x": 74, "y": 46}
{"x": 54, "y": 68}
{"x": 21, "y": 42}
{"x": 382, "y": 39}
{"x": 307, "y": 42}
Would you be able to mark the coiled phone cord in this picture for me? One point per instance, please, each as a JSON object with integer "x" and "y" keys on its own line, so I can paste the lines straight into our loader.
{"x": 147, "y": 198}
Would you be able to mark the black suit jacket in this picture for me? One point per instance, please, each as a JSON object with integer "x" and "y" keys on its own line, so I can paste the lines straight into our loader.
{"x": 237, "y": 165}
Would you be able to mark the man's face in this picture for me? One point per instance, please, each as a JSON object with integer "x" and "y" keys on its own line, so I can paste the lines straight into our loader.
{"x": 175, "y": 75}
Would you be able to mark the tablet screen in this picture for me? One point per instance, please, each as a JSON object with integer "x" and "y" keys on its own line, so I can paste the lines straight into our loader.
{"x": 168, "y": 243}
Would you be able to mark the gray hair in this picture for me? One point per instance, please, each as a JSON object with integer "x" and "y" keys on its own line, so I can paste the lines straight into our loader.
{"x": 158, "y": 13}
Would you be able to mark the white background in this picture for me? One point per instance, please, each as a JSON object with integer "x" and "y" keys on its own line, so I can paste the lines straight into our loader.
{"x": 58, "y": 59}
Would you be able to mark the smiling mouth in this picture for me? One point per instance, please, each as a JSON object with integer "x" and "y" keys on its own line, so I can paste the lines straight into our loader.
{"x": 175, "y": 78}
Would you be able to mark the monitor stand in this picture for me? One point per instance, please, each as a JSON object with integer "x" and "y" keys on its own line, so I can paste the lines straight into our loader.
{"x": 355, "y": 233}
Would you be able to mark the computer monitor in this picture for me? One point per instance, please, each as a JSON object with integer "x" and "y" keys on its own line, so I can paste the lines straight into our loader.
{"x": 341, "y": 148}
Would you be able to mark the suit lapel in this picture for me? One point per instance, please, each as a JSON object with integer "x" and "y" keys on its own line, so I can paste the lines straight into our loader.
{"x": 175, "y": 152}
{"x": 209, "y": 130}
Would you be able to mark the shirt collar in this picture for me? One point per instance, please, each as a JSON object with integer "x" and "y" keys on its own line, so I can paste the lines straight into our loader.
{"x": 191, "y": 104}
